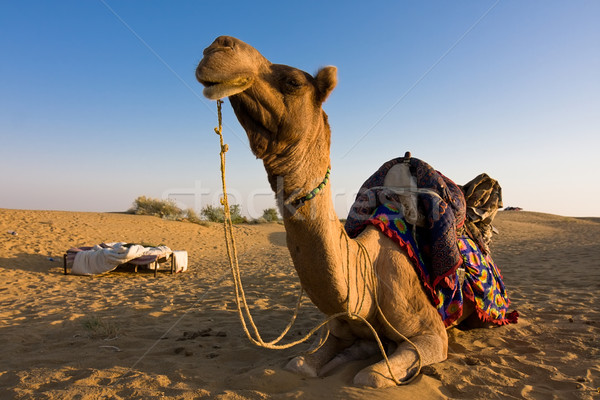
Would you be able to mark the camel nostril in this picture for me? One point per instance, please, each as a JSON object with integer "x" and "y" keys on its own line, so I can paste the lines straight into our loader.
{"x": 226, "y": 41}
{"x": 220, "y": 44}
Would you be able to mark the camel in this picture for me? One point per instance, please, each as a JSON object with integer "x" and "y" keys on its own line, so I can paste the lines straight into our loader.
{"x": 280, "y": 108}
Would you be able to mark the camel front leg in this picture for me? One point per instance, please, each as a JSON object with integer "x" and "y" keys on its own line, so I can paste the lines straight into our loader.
{"x": 404, "y": 361}
{"x": 310, "y": 364}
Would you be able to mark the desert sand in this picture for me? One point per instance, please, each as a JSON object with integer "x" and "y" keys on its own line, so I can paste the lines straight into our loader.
{"x": 127, "y": 335}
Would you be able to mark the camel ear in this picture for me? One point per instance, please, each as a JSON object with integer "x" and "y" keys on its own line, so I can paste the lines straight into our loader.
{"x": 326, "y": 81}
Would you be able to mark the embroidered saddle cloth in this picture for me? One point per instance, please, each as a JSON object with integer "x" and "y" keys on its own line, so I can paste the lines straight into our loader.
{"x": 482, "y": 282}
{"x": 440, "y": 201}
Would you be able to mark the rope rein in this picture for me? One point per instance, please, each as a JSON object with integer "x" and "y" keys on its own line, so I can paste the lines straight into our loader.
{"x": 240, "y": 297}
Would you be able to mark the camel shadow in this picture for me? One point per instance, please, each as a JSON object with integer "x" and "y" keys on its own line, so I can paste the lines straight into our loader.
{"x": 278, "y": 239}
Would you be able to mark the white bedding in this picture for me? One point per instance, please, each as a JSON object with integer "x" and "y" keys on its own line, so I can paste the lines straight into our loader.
{"x": 100, "y": 260}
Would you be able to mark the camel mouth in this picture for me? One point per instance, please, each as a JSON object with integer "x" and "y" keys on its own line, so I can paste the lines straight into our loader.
{"x": 215, "y": 90}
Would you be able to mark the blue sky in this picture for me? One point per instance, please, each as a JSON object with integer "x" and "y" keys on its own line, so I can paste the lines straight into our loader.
{"x": 99, "y": 104}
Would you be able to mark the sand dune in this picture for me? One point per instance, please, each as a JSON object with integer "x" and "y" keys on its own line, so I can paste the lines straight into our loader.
{"x": 125, "y": 335}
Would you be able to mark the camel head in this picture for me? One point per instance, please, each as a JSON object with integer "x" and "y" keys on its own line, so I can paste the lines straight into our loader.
{"x": 278, "y": 106}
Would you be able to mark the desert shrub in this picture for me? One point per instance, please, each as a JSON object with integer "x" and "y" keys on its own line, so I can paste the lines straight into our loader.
{"x": 161, "y": 208}
{"x": 216, "y": 214}
{"x": 270, "y": 215}
{"x": 166, "y": 209}
{"x": 99, "y": 327}
{"x": 212, "y": 213}
{"x": 236, "y": 214}
{"x": 192, "y": 216}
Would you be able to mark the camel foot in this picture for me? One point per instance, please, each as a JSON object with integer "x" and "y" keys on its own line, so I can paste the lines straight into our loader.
{"x": 372, "y": 379}
{"x": 360, "y": 350}
{"x": 378, "y": 376}
{"x": 298, "y": 365}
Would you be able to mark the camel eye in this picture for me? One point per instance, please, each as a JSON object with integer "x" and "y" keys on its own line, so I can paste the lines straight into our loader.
{"x": 293, "y": 83}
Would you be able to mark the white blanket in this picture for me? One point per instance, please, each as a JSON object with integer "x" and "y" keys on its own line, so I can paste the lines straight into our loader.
{"x": 180, "y": 259}
{"x": 100, "y": 260}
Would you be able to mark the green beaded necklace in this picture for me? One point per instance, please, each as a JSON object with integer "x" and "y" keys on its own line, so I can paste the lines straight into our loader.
{"x": 300, "y": 202}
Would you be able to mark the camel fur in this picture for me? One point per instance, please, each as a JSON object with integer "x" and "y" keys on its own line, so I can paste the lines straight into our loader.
{"x": 280, "y": 108}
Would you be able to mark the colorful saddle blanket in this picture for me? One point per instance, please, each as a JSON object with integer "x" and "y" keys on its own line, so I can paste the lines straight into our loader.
{"x": 445, "y": 213}
{"x": 482, "y": 282}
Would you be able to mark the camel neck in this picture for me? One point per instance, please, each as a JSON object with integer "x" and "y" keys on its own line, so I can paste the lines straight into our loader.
{"x": 297, "y": 174}
{"x": 300, "y": 167}
{"x": 299, "y": 202}
{"x": 318, "y": 250}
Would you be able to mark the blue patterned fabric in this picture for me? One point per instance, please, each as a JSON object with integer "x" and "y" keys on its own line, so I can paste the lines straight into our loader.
{"x": 445, "y": 214}
{"x": 482, "y": 285}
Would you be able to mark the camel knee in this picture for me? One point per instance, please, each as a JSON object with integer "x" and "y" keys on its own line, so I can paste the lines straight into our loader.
{"x": 431, "y": 348}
